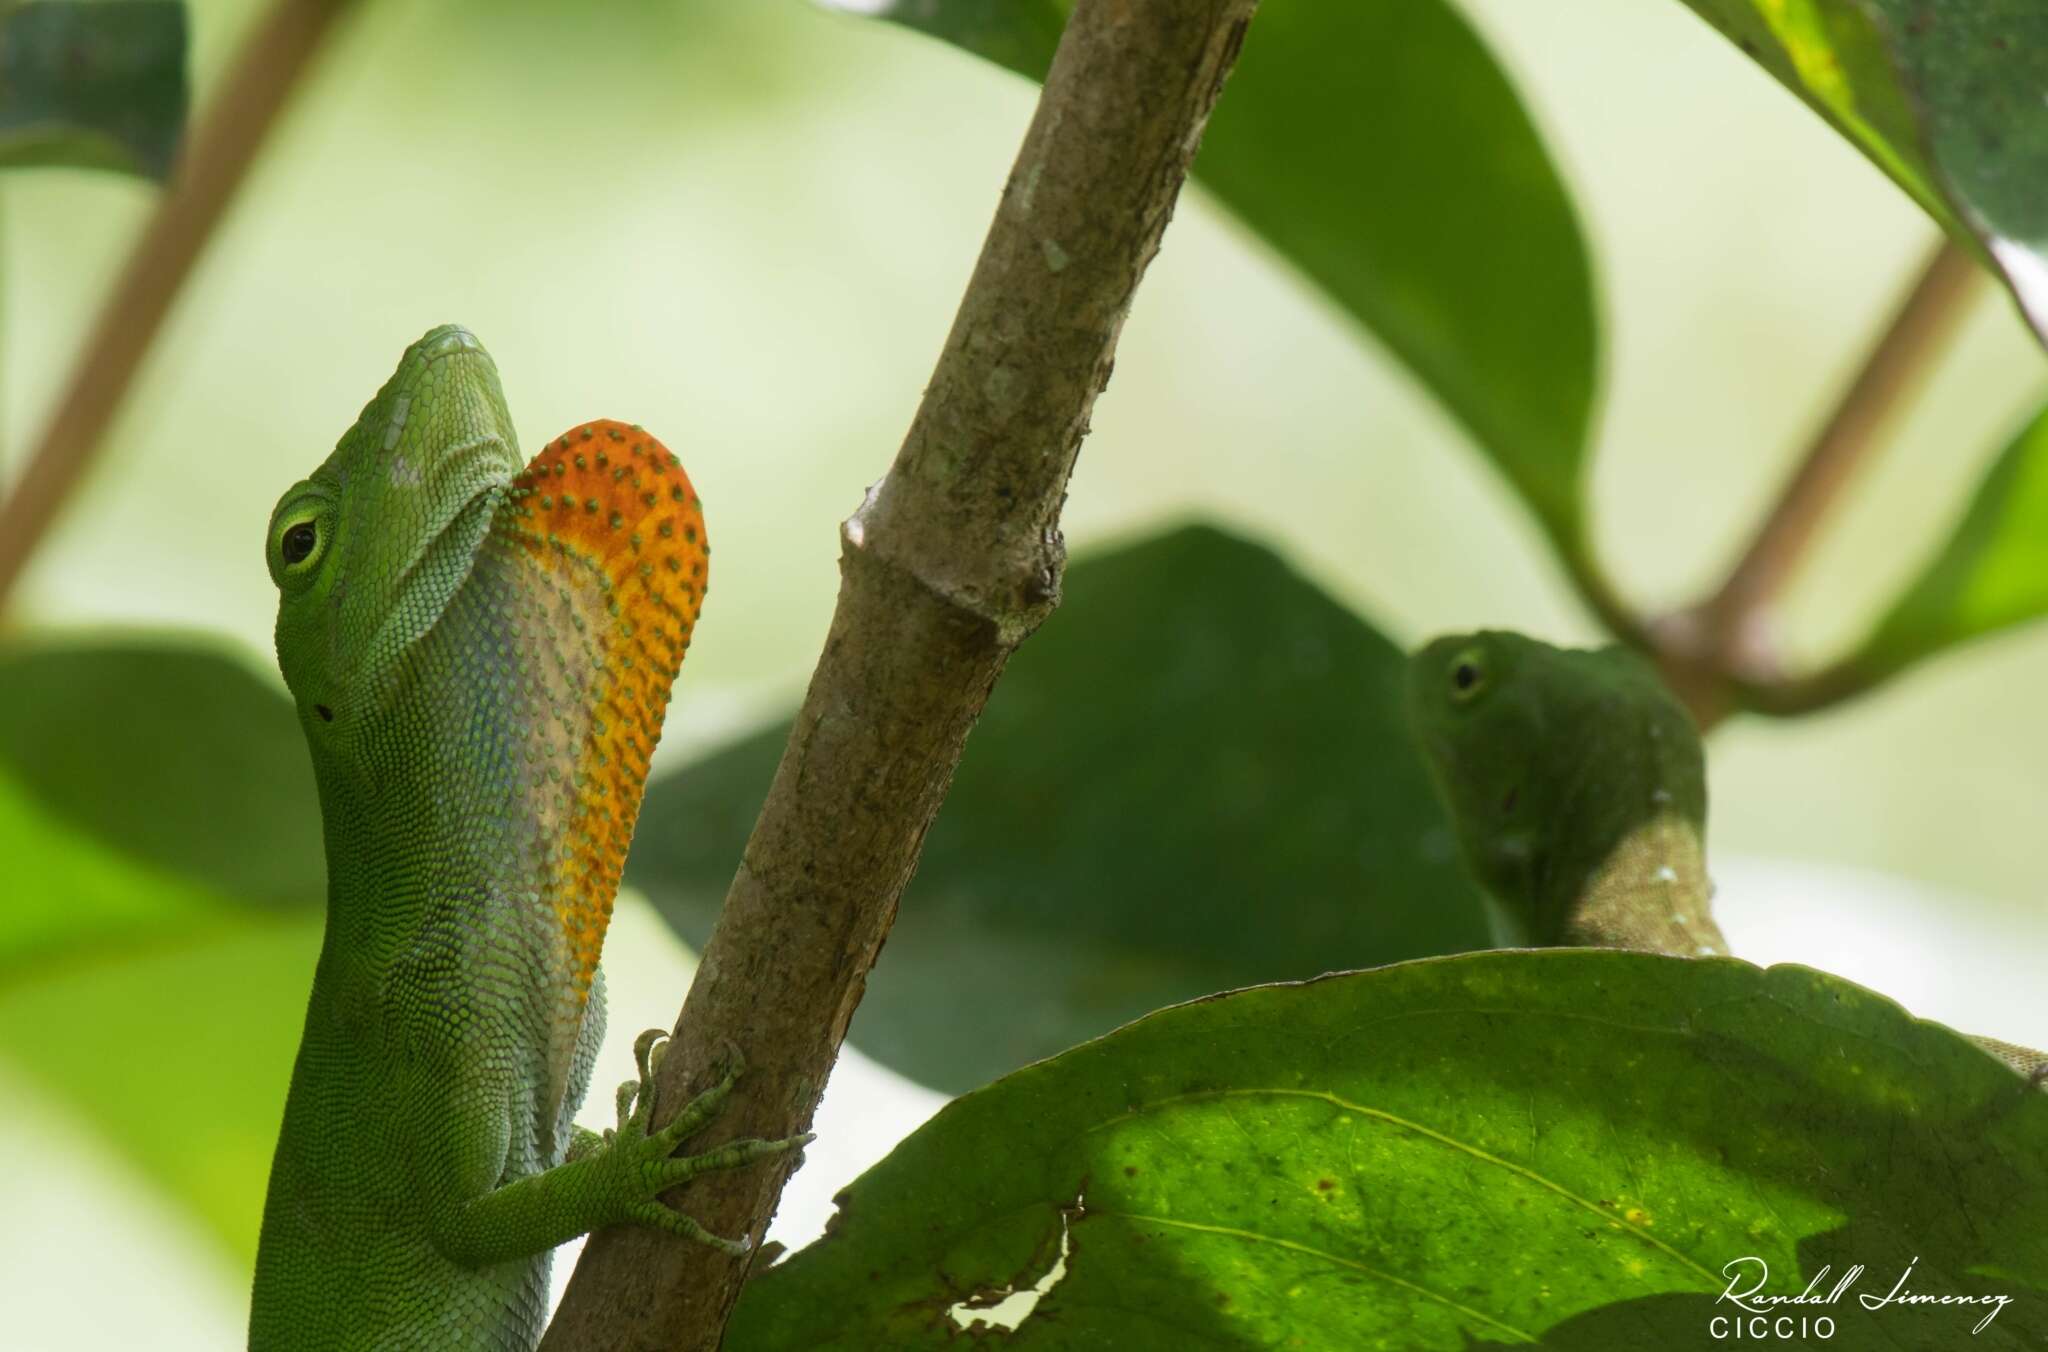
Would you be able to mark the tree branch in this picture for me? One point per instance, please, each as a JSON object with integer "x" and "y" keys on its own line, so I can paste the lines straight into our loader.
{"x": 952, "y": 561}
{"x": 1728, "y": 632}
{"x": 209, "y": 171}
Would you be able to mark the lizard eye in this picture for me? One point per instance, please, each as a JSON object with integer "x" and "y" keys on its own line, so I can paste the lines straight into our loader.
{"x": 300, "y": 532}
{"x": 298, "y": 542}
{"x": 1468, "y": 675}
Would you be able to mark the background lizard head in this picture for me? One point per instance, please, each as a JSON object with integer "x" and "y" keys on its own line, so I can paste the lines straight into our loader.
{"x": 1547, "y": 757}
{"x": 368, "y": 549}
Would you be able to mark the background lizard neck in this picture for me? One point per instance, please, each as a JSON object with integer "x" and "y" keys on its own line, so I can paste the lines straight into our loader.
{"x": 1651, "y": 892}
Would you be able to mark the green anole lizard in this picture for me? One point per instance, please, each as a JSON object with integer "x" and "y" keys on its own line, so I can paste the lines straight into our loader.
{"x": 1576, "y": 784}
{"x": 480, "y": 655}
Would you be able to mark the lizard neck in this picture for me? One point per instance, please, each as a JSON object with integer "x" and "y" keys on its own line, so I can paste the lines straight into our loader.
{"x": 1650, "y": 892}
{"x": 449, "y": 811}
{"x": 1621, "y": 859}
{"x": 477, "y": 824}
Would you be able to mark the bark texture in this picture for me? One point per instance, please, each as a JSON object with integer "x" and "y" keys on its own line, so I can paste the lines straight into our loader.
{"x": 951, "y": 562}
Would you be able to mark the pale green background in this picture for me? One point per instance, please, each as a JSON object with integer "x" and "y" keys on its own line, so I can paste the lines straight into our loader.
{"x": 745, "y": 224}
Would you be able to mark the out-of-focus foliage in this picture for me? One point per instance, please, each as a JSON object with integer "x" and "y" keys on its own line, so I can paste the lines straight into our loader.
{"x": 1946, "y": 98}
{"x": 1377, "y": 146}
{"x": 1992, "y": 573}
{"x": 1198, "y": 776}
{"x": 93, "y": 83}
{"x": 177, "y": 756}
{"x": 177, "y": 1052}
{"x": 164, "y": 879}
{"x": 1497, "y": 1149}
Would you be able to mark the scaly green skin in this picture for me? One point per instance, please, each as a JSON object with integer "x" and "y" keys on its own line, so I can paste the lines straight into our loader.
{"x": 1577, "y": 787}
{"x": 446, "y": 648}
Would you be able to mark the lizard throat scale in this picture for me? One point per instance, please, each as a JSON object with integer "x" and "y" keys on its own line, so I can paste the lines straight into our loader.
{"x": 614, "y": 536}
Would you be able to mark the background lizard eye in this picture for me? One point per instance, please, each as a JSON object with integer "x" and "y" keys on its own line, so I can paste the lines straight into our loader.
{"x": 298, "y": 542}
{"x": 1468, "y": 677}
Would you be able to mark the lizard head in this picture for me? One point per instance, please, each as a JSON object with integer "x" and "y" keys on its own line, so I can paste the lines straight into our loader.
{"x": 1546, "y": 756}
{"x": 368, "y": 549}
{"x": 482, "y": 652}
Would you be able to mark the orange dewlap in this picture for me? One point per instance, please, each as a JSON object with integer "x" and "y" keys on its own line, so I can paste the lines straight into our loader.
{"x": 607, "y": 504}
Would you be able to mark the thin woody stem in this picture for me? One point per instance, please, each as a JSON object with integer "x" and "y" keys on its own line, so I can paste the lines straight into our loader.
{"x": 1917, "y": 333}
{"x": 215, "y": 161}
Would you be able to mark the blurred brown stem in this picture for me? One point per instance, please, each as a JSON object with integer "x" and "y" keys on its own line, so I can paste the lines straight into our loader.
{"x": 1727, "y": 631}
{"x": 215, "y": 160}
{"x": 948, "y": 566}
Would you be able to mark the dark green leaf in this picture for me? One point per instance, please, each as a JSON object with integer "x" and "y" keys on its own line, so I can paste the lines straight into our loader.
{"x": 1992, "y": 573}
{"x": 1946, "y": 98}
{"x": 178, "y": 1054}
{"x": 69, "y": 892}
{"x": 1569, "y": 1145}
{"x": 173, "y": 756}
{"x": 164, "y": 875}
{"x": 1377, "y": 146}
{"x": 99, "y": 85}
{"x": 1196, "y": 776}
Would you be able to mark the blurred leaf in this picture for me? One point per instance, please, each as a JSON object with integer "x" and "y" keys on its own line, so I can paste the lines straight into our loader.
{"x": 1377, "y": 146}
{"x": 1197, "y": 775}
{"x": 1992, "y": 573}
{"x": 163, "y": 879}
{"x": 179, "y": 1054}
{"x": 99, "y": 85}
{"x": 1948, "y": 99}
{"x": 1566, "y": 1145}
{"x": 68, "y": 891}
{"x": 171, "y": 753}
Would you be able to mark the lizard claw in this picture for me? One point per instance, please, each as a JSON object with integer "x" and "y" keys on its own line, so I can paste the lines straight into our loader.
{"x": 647, "y": 1051}
{"x": 655, "y": 1165}
{"x": 635, "y": 1098}
{"x": 678, "y": 1223}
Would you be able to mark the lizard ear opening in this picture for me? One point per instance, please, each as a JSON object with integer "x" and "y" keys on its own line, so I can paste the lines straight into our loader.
{"x": 1468, "y": 675}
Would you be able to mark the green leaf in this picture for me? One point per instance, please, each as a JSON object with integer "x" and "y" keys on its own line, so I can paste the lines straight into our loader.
{"x": 97, "y": 85}
{"x": 1568, "y": 1145}
{"x": 1945, "y": 98}
{"x": 178, "y": 1054}
{"x": 164, "y": 879}
{"x": 171, "y": 754}
{"x": 1992, "y": 573}
{"x": 1377, "y": 146}
{"x": 1197, "y": 775}
{"x": 68, "y": 892}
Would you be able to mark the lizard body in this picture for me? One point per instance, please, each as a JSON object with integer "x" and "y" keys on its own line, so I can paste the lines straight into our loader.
{"x": 480, "y": 655}
{"x": 1576, "y": 783}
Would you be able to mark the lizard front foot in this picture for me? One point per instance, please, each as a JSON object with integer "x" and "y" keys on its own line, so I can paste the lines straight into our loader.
{"x": 646, "y": 1160}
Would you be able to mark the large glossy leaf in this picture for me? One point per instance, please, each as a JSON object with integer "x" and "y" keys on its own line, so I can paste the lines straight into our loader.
{"x": 1377, "y": 146}
{"x": 170, "y": 753}
{"x": 1992, "y": 572}
{"x": 98, "y": 84}
{"x": 1946, "y": 98}
{"x": 1571, "y": 1146}
{"x": 1195, "y": 776}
